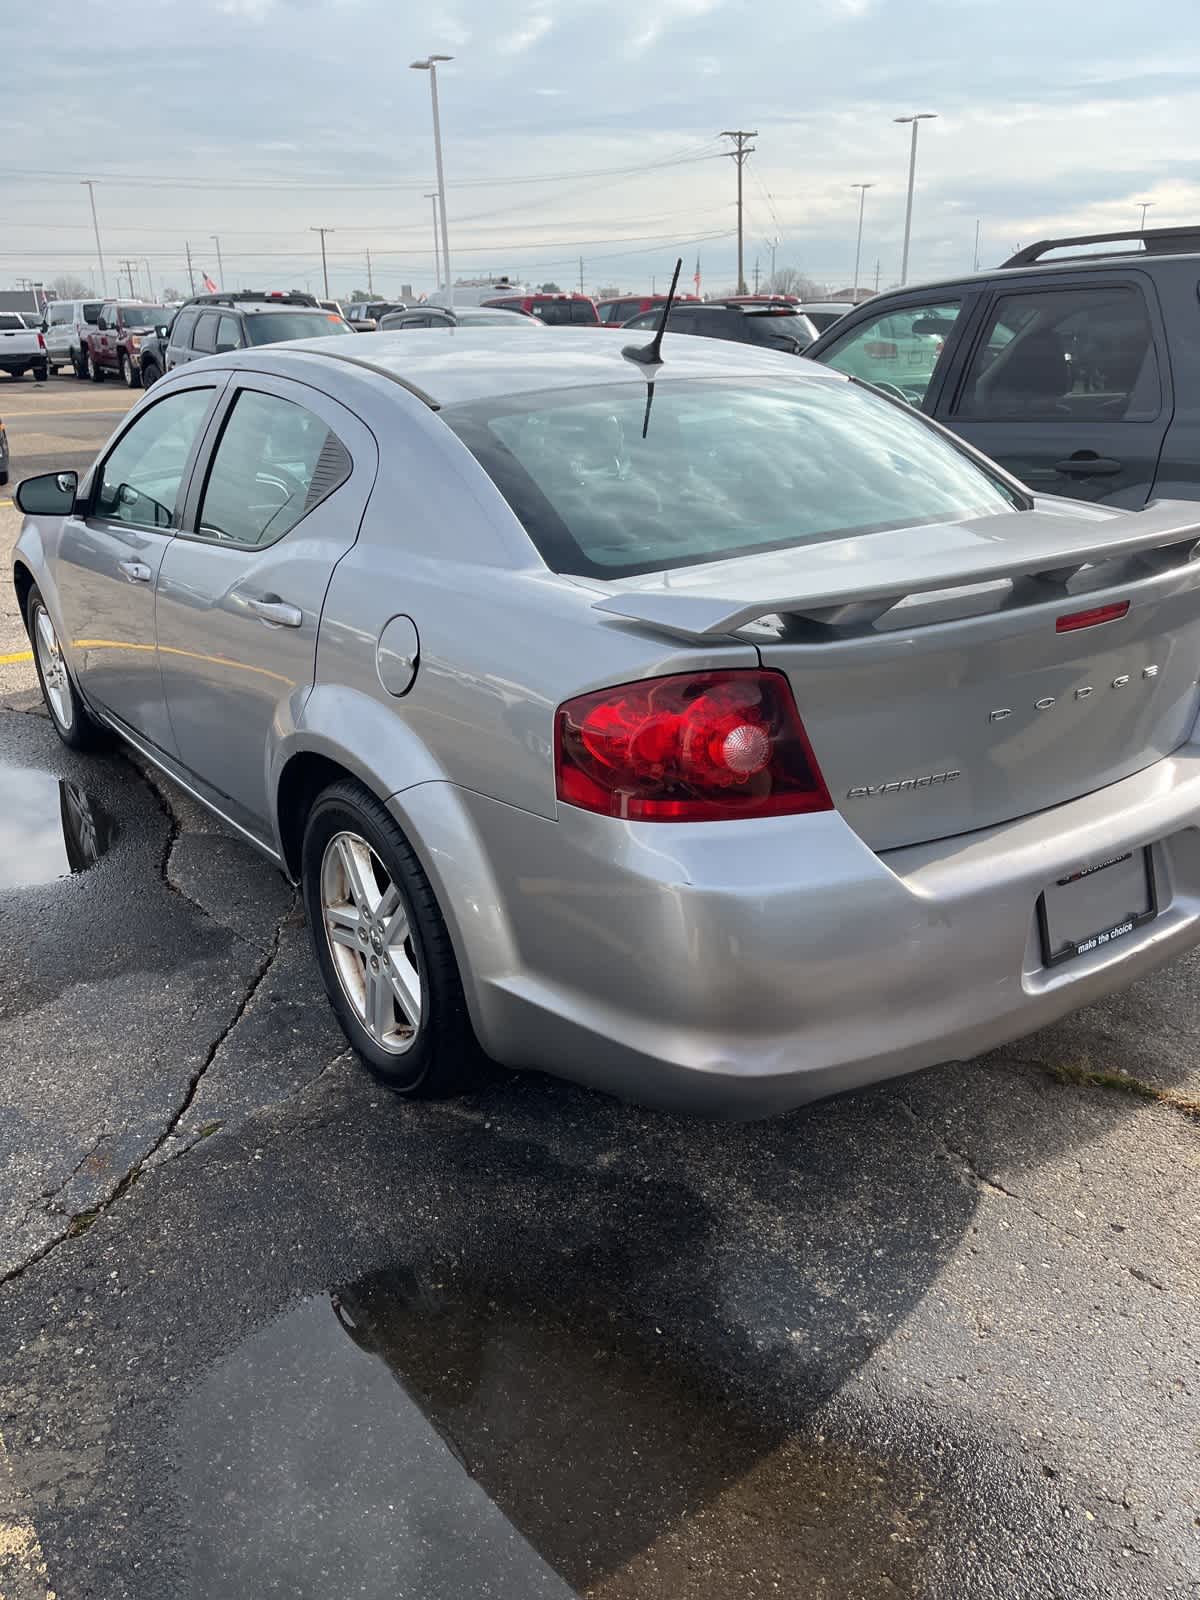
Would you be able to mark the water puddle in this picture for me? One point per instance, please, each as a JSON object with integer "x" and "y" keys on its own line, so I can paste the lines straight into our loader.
{"x": 410, "y": 1435}
{"x": 49, "y": 828}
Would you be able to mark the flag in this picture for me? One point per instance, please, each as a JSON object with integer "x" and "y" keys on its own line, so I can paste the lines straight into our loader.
{"x": 209, "y": 285}
{"x": 696, "y": 275}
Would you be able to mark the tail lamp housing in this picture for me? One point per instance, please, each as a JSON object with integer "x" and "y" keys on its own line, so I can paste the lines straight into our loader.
{"x": 691, "y": 747}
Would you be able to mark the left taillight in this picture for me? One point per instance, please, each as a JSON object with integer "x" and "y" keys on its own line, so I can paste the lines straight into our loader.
{"x": 692, "y": 747}
{"x": 41, "y": 341}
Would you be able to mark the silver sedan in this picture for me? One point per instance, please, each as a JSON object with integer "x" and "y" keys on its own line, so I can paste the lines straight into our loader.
{"x": 721, "y": 734}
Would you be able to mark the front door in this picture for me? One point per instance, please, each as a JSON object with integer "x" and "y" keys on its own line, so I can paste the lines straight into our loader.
{"x": 240, "y": 597}
{"x": 109, "y": 557}
{"x": 1065, "y": 388}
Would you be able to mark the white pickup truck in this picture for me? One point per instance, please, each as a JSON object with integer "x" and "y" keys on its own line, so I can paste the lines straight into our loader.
{"x": 22, "y": 348}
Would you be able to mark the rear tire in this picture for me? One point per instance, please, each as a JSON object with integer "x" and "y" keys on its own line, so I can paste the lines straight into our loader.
{"x": 73, "y": 722}
{"x": 361, "y": 880}
{"x": 41, "y": 374}
{"x": 80, "y": 362}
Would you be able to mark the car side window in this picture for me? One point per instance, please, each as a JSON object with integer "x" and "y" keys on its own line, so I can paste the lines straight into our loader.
{"x": 140, "y": 481}
{"x": 108, "y": 315}
{"x": 181, "y": 328}
{"x": 1085, "y": 353}
{"x": 274, "y": 463}
{"x": 229, "y": 334}
{"x": 205, "y": 337}
{"x": 898, "y": 351}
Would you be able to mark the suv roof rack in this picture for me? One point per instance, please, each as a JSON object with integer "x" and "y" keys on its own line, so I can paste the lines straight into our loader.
{"x": 287, "y": 297}
{"x": 1154, "y": 242}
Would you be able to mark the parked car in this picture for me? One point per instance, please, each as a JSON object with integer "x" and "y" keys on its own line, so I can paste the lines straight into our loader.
{"x": 614, "y": 313}
{"x": 778, "y": 327}
{"x": 154, "y": 354}
{"x": 554, "y": 309}
{"x": 225, "y": 322}
{"x": 363, "y": 315}
{"x": 460, "y": 317}
{"x": 114, "y": 344}
{"x": 824, "y": 313}
{"x": 1077, "y": 373}
{"x": 22, "y": 349}
{"x": 67, "y": 324}
{"x": 740, "y": 830}
{"x": 4, "y": 454}
{"x": 331, "y": 305}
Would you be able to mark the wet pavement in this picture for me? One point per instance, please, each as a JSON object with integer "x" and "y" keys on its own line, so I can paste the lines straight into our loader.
{"x": 265, "y": 1330}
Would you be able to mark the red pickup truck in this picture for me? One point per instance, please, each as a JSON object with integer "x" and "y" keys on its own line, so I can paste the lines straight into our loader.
{"x": 114, "y": 344}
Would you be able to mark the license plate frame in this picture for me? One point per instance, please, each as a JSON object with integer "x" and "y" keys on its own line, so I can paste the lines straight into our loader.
{"x": 1128, "y": 883}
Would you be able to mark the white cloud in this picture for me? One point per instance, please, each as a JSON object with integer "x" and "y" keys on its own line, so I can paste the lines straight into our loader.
{"x": 526, "y": 34}
{"x": 664, "y": 15}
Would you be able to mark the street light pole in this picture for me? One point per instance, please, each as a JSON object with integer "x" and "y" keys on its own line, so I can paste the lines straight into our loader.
{"x": 149, "y": 276}
{"x": 862, "y": 201}
{"x": 221, "y": 264}
{"x": 429, "y": 65}
{"x": 1145, "y": 205}
{"x": 88, "y": 184}
{"x": 437, "y": 259}
{"x": 324, "y": 263}
{"x": 916, "y": 120}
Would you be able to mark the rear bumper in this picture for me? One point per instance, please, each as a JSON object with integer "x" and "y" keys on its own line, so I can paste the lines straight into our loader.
{"x": 742, "y": 969}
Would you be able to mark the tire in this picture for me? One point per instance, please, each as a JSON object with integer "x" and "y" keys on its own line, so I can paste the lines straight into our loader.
{"x": 73, "y": 722}
{"x": 80, "y": 362}
{"x": 151, "y": 372}
{"x": 96, "y": 371}
{"x": 128, "y": 373}
{"x": 41, "y": 374}
{"x": 3, "y": 476}
{"x": 438, "y": 1056}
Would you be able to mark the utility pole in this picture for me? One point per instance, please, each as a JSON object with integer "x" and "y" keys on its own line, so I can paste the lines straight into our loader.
{"x": 739, "y": 153}
{"x": 149, "y": 276}
{"x": 127, "y": 268}
{"x": 756, "y": 274}
{"x": 862, "y": 203}
{"x": 437, "y": 249}
{"x": 324, "y": 263}
{"x": 191, "y": 274}
{"x": 88, "y": 184}
{"x": 877, "y": 265}
{"x": 977, "y": 222}
{"x": 220, "y": 263}
{"x": 581, "y": 274}
{"x": 774, "y": 245}
{"x": 370, "y": 279}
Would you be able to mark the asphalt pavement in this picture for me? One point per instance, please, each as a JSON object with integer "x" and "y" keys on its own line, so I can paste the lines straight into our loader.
{"x": 265, "y": 1330}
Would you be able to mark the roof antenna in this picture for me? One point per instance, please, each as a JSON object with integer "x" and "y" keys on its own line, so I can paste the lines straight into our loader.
{"x": 648, "y": 356}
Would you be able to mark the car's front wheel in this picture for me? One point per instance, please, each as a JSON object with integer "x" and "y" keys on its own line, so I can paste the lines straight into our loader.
{"x": 73, "y": 722}
{"x": 96, "y": 370}
{"x": 150, "y": 372}
{"x": 383, "y": 947}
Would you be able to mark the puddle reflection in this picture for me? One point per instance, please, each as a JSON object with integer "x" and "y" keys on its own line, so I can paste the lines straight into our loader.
{"x": 49, "y": 828}
{"x": 449, "y": 1443}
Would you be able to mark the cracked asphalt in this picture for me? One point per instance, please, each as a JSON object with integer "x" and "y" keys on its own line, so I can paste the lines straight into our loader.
{"x": 265, "y": 1330}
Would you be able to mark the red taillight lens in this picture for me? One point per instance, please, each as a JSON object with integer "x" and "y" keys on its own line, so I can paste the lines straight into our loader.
{"x": 695, "y": 747}
{"x": 41, "y": 341}
{"x": 1092, "y": 618}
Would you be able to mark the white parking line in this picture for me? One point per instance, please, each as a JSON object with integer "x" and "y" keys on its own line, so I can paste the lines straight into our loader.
{"x": 23, "y": 1574}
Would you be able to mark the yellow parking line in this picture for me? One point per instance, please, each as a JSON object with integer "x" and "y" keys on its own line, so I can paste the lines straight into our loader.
{"x": 8, "y": 661}
{"x": 4, "y": 503}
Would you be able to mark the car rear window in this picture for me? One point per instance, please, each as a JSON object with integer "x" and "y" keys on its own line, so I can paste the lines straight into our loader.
{"x": 10, "y": 321}
{"x": 558, "y": 312}
{"x": 727, "y": 468}
{"x": 91, "y": 312}
{"x": 272, "y": 326}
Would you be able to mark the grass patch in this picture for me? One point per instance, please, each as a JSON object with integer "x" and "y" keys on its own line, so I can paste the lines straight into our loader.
{"x": 1124, "y": 1083}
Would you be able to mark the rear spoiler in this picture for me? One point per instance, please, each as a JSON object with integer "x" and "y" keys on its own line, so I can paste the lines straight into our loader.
{"x": 846, "y": 582}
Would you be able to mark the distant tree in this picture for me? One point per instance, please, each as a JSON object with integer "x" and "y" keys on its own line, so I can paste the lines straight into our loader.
{"x": 790, "y": 280}
{"x": 548, "y": 288}
{"x": 356, "y": 295}
{"x": 173, "y": 294}
{"x": 68, "y": 287}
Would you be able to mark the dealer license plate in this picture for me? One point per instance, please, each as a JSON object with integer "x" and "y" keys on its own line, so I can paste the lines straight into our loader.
{"x": 1096, "y": 905}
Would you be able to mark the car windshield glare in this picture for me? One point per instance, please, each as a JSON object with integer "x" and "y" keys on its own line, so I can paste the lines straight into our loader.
{"x": 728, "y": 468}
{"x": 272, "y": 327}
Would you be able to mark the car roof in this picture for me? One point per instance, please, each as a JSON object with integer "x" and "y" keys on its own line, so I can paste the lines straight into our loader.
{"x": 457, "y": 365}
{"x": 1113, "y": 261}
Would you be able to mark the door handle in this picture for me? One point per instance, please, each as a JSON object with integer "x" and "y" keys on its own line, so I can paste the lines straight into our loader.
{"x": 276, "y": 613}
{"x": 1083, "y": 464}
{"x": 136, "y": 571}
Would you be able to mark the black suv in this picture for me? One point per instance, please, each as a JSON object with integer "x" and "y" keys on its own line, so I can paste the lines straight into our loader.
{"x": 210, "y": 324}
{"x": 778, "y": 327}
{"x": 1079, "y": 373}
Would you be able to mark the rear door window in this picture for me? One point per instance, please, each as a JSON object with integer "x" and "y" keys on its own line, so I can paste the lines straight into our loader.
{"x": 181, "y": 328}
{"x": 899, "y": 350}
{"x": 205, "y": 337}
{"x": 1057, "y": 354}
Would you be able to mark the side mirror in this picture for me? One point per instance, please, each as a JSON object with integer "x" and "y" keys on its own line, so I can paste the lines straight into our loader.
{"x": 162, "y": 330}
{"x": 52, "y": 494}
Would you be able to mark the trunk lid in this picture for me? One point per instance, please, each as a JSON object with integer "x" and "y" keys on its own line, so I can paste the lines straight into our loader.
{"x": 931, "y": 668}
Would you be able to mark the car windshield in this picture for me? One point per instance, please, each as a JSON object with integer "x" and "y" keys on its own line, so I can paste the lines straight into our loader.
{"x": 788, "y": 330}
{"x": 144, "y": 316}
{"x": 273, "y": 326}
{"x": 728, "y": 467}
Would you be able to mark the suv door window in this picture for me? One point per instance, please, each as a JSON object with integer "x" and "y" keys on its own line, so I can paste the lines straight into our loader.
{"x": 91, "y": 312}
{"x": 229, "y": 334}
{"x": 274, "y": 463}
{"x": 181, "y": 328}
{"x": 107, "y": 318}
{"x": 205, "y": 337}
{"x": 139, "y": 482}
{"x": 898, "y": 350}
{"x": 1064, "y": 353}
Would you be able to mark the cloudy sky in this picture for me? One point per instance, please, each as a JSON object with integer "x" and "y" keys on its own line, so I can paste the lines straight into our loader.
{"x": 578, "y": 128}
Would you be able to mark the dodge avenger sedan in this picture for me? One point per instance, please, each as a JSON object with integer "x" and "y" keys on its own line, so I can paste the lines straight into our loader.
{"x": 721, "y": 743}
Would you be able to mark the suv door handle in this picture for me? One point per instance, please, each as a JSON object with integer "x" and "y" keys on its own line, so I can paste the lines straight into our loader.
{"x": 136, "y": 571}
{"x": 1083, "y": 464}
{"x": 276, "y": 613}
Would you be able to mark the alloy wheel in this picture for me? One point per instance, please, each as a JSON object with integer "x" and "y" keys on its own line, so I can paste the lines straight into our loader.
{"x": 369, "y": 931}
{"x": 53, "y": 668}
